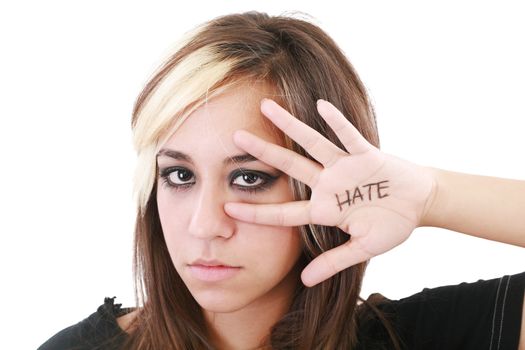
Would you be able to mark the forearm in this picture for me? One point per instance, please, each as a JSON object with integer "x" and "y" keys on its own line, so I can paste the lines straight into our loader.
{"x": 481, "y": 206}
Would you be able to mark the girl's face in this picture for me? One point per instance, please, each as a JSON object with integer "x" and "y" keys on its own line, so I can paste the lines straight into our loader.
{"x": 226, "y": 264}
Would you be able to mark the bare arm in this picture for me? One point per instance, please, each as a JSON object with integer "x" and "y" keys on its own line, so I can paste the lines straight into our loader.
{"x": 375, "y": 197}
{"x": 481, "y": 206}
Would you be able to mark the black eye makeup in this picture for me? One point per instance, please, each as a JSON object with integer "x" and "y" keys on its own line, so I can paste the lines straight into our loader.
{"x": 180, "y": 178}
{"x": 177, "y": 177}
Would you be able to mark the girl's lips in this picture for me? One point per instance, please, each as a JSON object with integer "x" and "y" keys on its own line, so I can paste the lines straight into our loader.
{"x": 213, "y": 273}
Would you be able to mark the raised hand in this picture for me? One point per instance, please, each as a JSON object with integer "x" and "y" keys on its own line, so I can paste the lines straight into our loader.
{"x": 377, "y": 198}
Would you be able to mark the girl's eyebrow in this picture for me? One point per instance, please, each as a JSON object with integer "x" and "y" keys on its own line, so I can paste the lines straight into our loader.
{"x": 177, "y": 155}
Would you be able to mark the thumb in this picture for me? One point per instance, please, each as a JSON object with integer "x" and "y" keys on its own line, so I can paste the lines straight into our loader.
{"x": 333, "y": 261}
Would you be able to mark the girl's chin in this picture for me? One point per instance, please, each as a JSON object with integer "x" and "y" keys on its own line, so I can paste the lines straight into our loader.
{"x": 223, "y": 296}
{"x": 214, "y": 301}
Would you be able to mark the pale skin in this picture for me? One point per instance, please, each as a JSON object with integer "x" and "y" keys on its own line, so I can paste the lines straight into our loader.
{"x": 378, "y": 219}
{"x": 200, "y": 169}
{"x": 417, "y": 195}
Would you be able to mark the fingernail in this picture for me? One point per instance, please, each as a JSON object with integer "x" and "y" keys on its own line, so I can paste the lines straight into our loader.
{"x": 319, "y": 100}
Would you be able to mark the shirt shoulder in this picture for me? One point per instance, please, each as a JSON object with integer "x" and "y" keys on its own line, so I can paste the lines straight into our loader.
{"x": 480, "y": 315}
{"x": 96, "y": 332}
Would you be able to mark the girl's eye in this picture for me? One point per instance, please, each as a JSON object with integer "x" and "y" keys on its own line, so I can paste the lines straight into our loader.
{"x": 248, "y": 180}
{"x": 178, "y": 178}
{"x": 252, "y": 181}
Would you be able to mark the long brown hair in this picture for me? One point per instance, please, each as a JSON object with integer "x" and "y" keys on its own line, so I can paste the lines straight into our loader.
{"x": 302, "y": 64}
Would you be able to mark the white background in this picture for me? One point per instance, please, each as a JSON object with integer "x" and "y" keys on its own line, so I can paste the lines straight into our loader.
{"x": 447, "y": 80}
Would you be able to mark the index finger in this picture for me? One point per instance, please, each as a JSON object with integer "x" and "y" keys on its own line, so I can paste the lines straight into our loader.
{"x": 280, "y": 214}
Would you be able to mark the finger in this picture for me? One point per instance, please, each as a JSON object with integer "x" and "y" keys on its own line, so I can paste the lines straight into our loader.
{"x": 298, "y": 167}
{"x": 349, "y": 136}
{"x": 281, "y": 214}
{"x": 333, "y": 261}
{"x": 312, "y": 141}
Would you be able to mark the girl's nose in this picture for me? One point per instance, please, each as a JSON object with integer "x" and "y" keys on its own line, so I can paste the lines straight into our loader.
{"x": 209, "y": 220}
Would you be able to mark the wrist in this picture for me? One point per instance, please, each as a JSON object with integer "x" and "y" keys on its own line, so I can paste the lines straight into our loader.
{"x": 430, "y": 213}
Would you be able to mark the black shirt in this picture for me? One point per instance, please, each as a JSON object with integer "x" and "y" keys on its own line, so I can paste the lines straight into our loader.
{"x": 479, "y": 315}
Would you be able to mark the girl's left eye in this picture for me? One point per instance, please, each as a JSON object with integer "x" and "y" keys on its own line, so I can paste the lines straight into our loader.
{"x": 252, "y": 181}
{"x": 247, "y": 180}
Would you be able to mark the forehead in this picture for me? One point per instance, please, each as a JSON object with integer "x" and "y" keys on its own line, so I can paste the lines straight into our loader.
{"x": 211, "y": 126}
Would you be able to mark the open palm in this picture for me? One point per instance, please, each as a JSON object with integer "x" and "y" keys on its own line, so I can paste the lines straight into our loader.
{"x": 375, "y": 197}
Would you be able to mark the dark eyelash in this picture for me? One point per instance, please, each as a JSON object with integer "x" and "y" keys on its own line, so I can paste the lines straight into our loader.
{"x": 165, "y": 173}
{"x": 267, "y": 179}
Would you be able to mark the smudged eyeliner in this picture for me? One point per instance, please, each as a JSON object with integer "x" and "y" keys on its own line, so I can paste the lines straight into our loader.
{"x": 267, "y": 179}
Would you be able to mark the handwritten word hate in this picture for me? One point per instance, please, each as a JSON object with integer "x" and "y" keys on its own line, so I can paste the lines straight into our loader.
{"x": 360, "y": 193}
